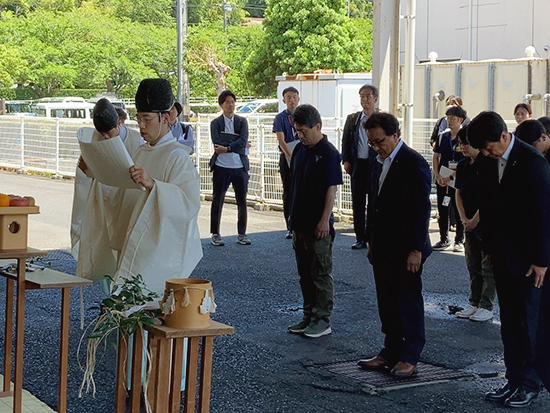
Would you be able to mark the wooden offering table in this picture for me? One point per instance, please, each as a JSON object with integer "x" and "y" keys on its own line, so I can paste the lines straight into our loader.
{"x": 166, "y": 346}
{"x": 38, "y": 279}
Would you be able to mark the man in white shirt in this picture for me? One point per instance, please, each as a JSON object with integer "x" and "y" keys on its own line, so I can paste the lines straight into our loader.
{"x": 229, "y": 165}
{"x": 156, "y": 232}
{"x": 182, "y": 132}
{"x": 108, "y": 124}
{"x": 355, "y": 157}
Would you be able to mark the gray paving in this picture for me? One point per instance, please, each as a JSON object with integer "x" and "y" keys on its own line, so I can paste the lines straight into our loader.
{"x": 262, "y": 368}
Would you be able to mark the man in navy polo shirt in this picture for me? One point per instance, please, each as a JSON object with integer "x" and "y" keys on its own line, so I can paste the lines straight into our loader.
{"x": 316, "y": 174}
{"x": 284, "y": 128}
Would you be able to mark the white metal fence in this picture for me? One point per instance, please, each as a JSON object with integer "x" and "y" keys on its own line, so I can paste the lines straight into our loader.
{"x": 50, "y": 146}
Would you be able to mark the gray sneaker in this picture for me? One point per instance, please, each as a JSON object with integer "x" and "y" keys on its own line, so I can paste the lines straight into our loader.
{"x": 243, "y": 239}
{"x": 217, "y": 240}
{"x": 442, "y": 246}
{"x": 317, "y": 328}
{"x": 299, "y": 327}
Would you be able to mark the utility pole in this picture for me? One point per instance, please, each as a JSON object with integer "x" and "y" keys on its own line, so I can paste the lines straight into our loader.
{"x": 226, "y": 8}
{"x": 183, "y": 79}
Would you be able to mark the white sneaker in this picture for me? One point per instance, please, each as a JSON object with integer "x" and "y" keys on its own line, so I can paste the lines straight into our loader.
{"x": 467, "y": 312}
{"x": 481, "y": 314}
{"x": 458, "y": 247}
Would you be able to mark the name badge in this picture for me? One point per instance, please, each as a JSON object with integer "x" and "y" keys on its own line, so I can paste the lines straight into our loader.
{"x": 446, "y": 201}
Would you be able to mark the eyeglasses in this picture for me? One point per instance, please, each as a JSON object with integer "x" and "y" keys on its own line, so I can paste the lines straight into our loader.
{"x": 378, "y": 143}
{"x": 366, "y": 96}
{"x": 145, "y": 120}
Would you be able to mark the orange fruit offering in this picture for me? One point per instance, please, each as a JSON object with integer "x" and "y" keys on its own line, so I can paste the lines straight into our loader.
{"x": 4, "y": 200}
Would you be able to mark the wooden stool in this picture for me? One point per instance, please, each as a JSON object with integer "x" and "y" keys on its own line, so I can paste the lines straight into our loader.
{"x": 166, "y": 347}
{"x": 39, "y": 279}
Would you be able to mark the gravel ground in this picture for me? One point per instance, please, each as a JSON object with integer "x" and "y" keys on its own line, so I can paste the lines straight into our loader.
{"x": 262, "y": 368}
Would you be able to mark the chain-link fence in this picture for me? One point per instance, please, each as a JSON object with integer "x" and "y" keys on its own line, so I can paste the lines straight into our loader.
{"x": 50, "y": 146}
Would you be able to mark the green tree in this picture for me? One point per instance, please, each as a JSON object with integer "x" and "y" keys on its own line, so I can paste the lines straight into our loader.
{"x": 71, "y": 50}
{"x": 360, "y": 8}
{"x": 160, "y": 12}
{"x": 255, "y": 8}
{"x": 203, "y": 11}
{"x": 12, "y": 65}
{"x": 92, "y": 47}
{"x": 309, "y": 35}
{"x": 209, "y": 49}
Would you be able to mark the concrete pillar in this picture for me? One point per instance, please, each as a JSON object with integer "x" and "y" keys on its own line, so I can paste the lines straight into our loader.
{"x": 385, "y": 53}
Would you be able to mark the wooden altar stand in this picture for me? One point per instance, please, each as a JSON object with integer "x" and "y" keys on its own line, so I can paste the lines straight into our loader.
{"x": 166, "y": 346}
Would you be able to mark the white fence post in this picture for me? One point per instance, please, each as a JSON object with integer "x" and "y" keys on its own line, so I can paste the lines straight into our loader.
{"x": 57, "y": 172}
{"x": 22, "y": 129}
{"x": 198, "y": 148}
{"x": 262, "y": 164}
{"x": 339, "y": 147}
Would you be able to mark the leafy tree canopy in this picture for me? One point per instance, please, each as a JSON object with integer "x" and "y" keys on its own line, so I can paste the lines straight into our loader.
{"x": 202, "y": 11}
{"x": 304, "y": 36}
{"x": 71, "y": 50}
{"x": 50, "y": 45}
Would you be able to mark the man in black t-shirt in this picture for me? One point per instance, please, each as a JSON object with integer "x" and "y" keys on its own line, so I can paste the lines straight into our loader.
{"x": 482, "y": 282}
{"x": 316, "y": 174}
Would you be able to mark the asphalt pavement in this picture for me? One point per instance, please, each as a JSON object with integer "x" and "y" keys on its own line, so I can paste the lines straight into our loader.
{"x": 263, "y": 368}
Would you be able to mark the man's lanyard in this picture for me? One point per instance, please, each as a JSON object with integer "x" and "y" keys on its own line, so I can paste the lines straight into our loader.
{"x": 294, "y": 131}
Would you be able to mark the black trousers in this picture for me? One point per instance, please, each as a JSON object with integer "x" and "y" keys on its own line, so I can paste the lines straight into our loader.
{"x": 221, "y": 178}
{"x": 359, "y": 189}
{"x": 286, "y": 177}
{"x": 519, "y": 302}
{"x": 401, "y": 310}
{"x": 542, "y": 350}
{"x": 444, "y": 211}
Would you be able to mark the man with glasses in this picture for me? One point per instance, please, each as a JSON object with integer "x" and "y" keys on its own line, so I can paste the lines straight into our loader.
{"x": 447, "y": 154}
{"x": 355, "y": 157}
{"x": 284, "y": 128}
{"x": 398, "y": 215}
{"x": 229, "y": 165}
{"x": 153, "y": 231}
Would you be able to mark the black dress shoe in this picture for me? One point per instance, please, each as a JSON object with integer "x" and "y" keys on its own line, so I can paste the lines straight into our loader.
{"x": 521, "y": 398}
{"x": 500, "y": 395}
{"x": 359, "y": 245}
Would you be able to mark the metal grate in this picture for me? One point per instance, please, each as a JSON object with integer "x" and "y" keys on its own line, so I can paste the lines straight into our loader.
{"x": 380, "y": 381}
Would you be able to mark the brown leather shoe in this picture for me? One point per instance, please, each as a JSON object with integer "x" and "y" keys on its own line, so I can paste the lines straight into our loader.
{"x": 375, "y": 363}
{"x": 403, "y": 369}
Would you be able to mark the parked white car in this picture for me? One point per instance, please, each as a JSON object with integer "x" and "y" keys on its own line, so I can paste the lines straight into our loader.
{"x": 259, "y": 106}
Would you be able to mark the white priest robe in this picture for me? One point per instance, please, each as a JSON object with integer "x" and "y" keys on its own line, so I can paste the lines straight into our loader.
{"x": 82, "y": 183}
{"x": 155, "y": 232}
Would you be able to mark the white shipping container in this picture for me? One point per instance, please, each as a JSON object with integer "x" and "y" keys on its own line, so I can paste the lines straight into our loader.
{"x": 335, "y": 95}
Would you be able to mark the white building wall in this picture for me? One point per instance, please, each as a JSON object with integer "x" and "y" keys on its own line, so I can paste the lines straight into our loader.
{"x": 500, "y": 28}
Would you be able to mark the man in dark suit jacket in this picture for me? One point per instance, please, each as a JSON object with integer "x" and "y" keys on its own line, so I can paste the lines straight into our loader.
{"x": 514, "y": 185}
{"x": 229, "y": 165}
{"x": 398, "y": 216}
{"x": 355, "y": 157}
